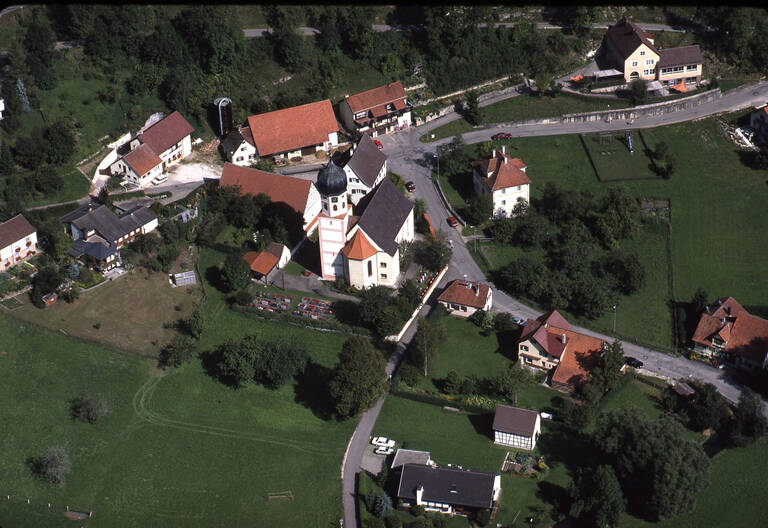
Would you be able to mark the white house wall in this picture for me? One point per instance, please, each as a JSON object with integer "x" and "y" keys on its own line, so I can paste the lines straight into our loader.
{"x": 313, "y": 206}
{"x": 243, "y": 156}
{"x": 17, "y": 250}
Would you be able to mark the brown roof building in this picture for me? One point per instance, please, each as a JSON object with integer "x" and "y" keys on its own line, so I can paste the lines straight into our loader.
{"x": 18, "y": 241}
{"x": 166, "y": 133}
{"x": 463, "y": 298}
{"x": 380, "y": 110}
{"x": 298, "y": 130}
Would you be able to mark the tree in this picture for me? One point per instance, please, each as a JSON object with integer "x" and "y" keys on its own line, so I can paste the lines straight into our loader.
{"x": 358, "y": 378}
{"x": 480, "y": 208}
{"x": 670, "y": 164}
{"x": 542, "y": 81}
{"x": 373, "y": 301}
{"x": 54, "y": 465}
{"x": 425, "y": 342}
{"x": 177, "y": 351}
{"x": 749, "y": 422}
{"x": 278, "y": 361}
{"x": 194, "y": 324}
{"x": 45, "y": 281}
{"x": 73, "y": 270}
{"x": 626, "y": 270}
{"x": 238, "y": 359}
{"x": 235, "y": 273}
{"x": 508, "y": 382}
{"x": 483, "y": 319}
{"x": 606, "y": 375}
{"x": 638, "y": 90}
{"x": 597, "y": 497}
{"x": 700, "y": 300}
{"x": 382, "y": 505}
{"x": 7, "y": 164}
{"x": 88, "y": 408}
{"x": 662, "y": 149}
{"x": 708, "y": 409}
{"x": 504, "y": 230}
{"x": 39, "y": 40}
{"x": 472, "y": 110}
{"x": 434, "y": 253}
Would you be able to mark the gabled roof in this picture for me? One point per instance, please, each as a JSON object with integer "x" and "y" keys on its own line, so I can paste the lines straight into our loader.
{"x": 232, "y": 141}
{"x": 581, "y": 354}
{"x": 749, "y": 338}
{"x": 279, "y": 188}
{"x": 166, "y": 133}
{"x": 504, "y": 171}
{"x": 459, "y": 487}
{"x": 276, "y": 249}
{"x": 292, "y": 128}
{"x": 515, "y": 420}
{"x": 725, "y": 307}
{"x": 367, "y": 160}
{"x": 142, "y": 159}
{"x": 261, "y": 261}
{"x": 410, "y": 456}
{"x": 384, "y": 211}
{"x": 99, "y": 249}
{"x": 359, "y": 248}
{"x": 466, "y": 293}
{"x": 627, "y": 36}
{"x": 680, "y": 56}
{"x": 108, "y": 225}
{"x": 377, "y": 97}
{"x": 13, "y": 230}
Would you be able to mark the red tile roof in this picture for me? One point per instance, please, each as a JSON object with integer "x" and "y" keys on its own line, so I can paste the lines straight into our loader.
{"x": 626, "y": 37}
{"x": 466, "y": 293}
{"x": 166, "y": 133}
{"x": 359, "y": 248}
{"x": 382, "y": 95}
{"x": 744, "y": 334}
{"x": 142, "y": 159}
{"x": 505, "y": 171}
{"x": 292, "y": 128}
{"x": 279, "y": 188}
{"x": 13, "y": 230}
{"x": 725, "y": 307}
{"x": 247, "y": 136}
{"x": 261, "y": 261}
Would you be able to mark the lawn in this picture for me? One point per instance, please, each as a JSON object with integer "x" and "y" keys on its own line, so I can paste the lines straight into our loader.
{"x": 75, "y": 187}
{"x": 612, "y": 159}
{"x": 526, "y": 107}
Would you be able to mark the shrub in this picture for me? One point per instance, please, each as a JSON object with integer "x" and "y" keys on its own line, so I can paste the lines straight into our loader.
{"x": 88, "y": 408}
{"x": 373, "y": 522}
{"x": 410, "y": 375}
{"x": 418, "y": 510}
{"x": 242, "y": 298}
{"x": 452, "y": 383}
{"x": 393, "y": 521}
{"x": 480, "y": 402}
{"x": 53, "y": 465}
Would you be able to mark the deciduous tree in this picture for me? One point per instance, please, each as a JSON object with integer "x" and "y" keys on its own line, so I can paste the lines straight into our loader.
{"x": 235, "y": 273}
{"x": 749, "y": 422}
{"x": 358, "y": 379}
{"x": 54, "y": 465}
{"x": 597, "y": 497}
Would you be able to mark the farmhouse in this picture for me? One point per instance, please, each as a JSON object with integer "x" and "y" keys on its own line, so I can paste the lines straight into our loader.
{"x": 295, "y": 132}
{"x": 365, "y": 168}
{"x": 504, "y": 178}
{"x": 300, "y": 195}
{"x": 362, "y": 246}
{"x": 727, "y": 331}
{"x": 516, "y": 427}
{"x": 463, "y": 298}
{"x": 264, "y": 263}
{"x": 448, "y": 490}
{"x": 633, "y": 52}
{"x": 548, "y": 343}
{"x": 153, "y": 151}
{"x": 18, "y": 241}
{"x": 380, "y": 111}
{"x": 100, "y": 234}
{"x": 239, "y": 148}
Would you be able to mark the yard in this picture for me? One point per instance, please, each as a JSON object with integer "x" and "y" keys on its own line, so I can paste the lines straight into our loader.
{"x": 612, "y": 159}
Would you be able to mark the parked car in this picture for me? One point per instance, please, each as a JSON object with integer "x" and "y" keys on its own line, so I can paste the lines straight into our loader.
{"x": 410, "y": 186}
{"x": 452, "y": 221}
{"x": 518, "y": 321}
{"x": 383, "y": 441}
{"x": 381, "y": 450}
{"x": 632, "y": 362}
{"x": 378, "y": 144}
{"x": 501, "y": 135}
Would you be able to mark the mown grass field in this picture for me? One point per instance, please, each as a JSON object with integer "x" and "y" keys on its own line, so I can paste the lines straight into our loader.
{"x": 75, "y": 187}
{"x": 612, "y": 159}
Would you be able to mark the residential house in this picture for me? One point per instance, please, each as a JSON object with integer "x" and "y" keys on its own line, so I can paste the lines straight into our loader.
{"x": 2, "y": 108}
{"x": 516, "y": 427}
{"x": 100, "y": 233}
{"x": 411, "y": 456}
{"x": 379, "y": 111}
{"x": 505, "y": 179}
{"x": 727, "y": 331}
{"x": 18, "y": 241}
{"x": 295, "y": 132}
{"x": 548, "y": 343}
{"x": 365, "y": 167}
{"x": 633, "y": 52}
{"x": 463, "y": 298}
{"x": 758, "y": 122}
{"x": 154, "y": 150}
{"x": 301, "y": 195}
{"x": 239, "y": 147}
{"x": 362, "y": 244}
{"x": 264, "y": 264}
{"x": 448, "y": 490}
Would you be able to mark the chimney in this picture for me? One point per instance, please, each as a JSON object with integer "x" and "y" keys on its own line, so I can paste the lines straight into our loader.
{"x": 505, "y": 160}
{"x": 477, "y": 290}
{"x": 419, "y": 494}
{"x": 503, "y": 149}
{"x": 563, "y": 338}
{"x": 493, "y": 154}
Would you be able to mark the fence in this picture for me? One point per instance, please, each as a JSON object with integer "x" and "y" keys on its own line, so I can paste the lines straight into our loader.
{"x": 415, "y": 313}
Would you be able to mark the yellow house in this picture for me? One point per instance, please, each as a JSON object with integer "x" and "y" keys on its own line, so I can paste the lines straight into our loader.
{"x": 632, "y": 51}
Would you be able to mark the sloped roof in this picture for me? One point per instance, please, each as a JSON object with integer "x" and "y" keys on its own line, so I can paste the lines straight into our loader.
{"x": 279, "y": 188}
{"x": 515, "y": 420}
{"x": 725, "y": 307}
{"x": 276, "y": 249}
{"x": 581, "y": 354}
{"x": 108, "y": 225}
{"x": 627, "y": 36}
{"x": 98, "y": 249}
{"x": 707, "y": 327}
{"x": 142, "y": 159}
{"x": 380, "y": 96}
{"x": 505, "y": 171}
{"x": 680, "y": 56}
{"x": 359, "y": 248}
{"x": 367, "y": 160}
{"x": 261, "y": 261}
{"x": 232, "y": 141}
{"x": 749, "y": 338}
{"x": 458, "y": 487}
{"x": 247, "y": 136}
{"x": 410, "y": 456}
{"x": 166, "y": 133}
{"x": 14, "y": 230}
{"x": 385, "y": 210}
{"x": 466, "y": 293}
{"x": 292, "y": 128}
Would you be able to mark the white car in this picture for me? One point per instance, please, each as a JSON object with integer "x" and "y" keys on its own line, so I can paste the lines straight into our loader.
{"x": 382, "y": 450}
{"x": 382, "y": 441}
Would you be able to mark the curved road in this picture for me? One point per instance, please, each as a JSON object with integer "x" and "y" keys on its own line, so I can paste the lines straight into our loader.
{"x": 415, "y": 160}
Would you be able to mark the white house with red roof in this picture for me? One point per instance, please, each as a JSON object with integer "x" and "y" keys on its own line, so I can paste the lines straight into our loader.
{"x": 379, "y": 111}
{"x": 239, "y": 148}
{"x": 18, "y": 241}
{"x": 504, "y": 178}
{"x": 548, "y": 343}
{"x": 726, "y": 330}
{"x": 264, "y": 263}
{"x": 154, "y": 150}
{"x": 300, "y": 195}
{"x": 463, "y": 298}
{"x": 295, "y": 132}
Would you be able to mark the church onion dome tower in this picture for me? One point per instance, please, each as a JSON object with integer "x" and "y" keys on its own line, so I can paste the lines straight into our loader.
{"x": 332, "y": 185}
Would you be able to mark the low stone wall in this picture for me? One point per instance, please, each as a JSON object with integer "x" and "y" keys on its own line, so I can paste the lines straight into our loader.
{"x": 415, "y": 313}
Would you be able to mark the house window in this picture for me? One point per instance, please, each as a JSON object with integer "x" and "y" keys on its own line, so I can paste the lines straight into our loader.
{"x": 454, "y": 306}
{"x": 383, "y": 275}
{"x": 692, "y": 67}
{"x": 517, "y": 188}
{"x": 239, "y": 158}
{"x": 524, "y": 348}
{"x": 649, "y": 62}
{"x": 335, "y": 207}
{"x": 646, "y": 72}
{"x": 642, "y": 53}
{"x": 503, "y": 202}
{"x": 334, "y": 199}
{"x": 251, "y": 156}
{"x": 370, "y": 268}
{"x": 634, "y": 63}
{"x": 383, "y": 264}
{"x": 463, "y": 308}
{"x": 503, "y": 191}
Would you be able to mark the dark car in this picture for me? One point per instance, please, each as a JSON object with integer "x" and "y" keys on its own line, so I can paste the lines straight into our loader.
{"x": 410, "y": 186}
{"x": 501, "y": 135}
{"x": 632, "y": 362}
{"x": 452, "y": 221}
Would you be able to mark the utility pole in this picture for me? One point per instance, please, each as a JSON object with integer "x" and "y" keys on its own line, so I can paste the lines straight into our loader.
{"x": 614, "y": 318}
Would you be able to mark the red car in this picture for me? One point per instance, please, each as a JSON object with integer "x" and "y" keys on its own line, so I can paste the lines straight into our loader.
{"x": 378, "y": 144}
{"x": 501, "y": 135}
{"x": 452, "y": 221}
{"x": 410, "y": 186}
